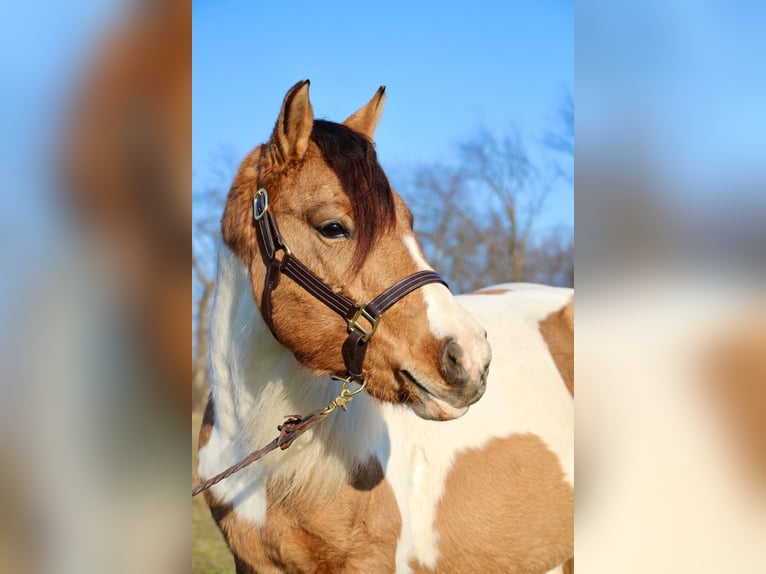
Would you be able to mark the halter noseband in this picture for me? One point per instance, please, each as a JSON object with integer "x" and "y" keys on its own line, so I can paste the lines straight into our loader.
{"x": 359, "y": 334}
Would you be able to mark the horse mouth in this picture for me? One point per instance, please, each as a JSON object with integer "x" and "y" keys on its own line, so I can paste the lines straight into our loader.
{"x": 430, "y": 404}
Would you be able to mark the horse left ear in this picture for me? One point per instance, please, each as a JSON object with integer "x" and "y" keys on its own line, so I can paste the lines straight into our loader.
{"x": 291, "y": 134}
{"x": 365, "y": 119}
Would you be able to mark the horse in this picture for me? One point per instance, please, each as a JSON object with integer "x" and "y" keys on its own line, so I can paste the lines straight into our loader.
{"x": 440, "y": 464}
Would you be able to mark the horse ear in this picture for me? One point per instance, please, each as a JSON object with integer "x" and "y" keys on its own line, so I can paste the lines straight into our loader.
{"x": 365, "y": 119}
{"x": 291, "y": 134}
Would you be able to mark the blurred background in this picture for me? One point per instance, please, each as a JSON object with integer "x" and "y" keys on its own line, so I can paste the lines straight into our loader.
{"x": 671, "y": 251}
{"x": 94, "y": 239}
{"x": 101, "y": 146}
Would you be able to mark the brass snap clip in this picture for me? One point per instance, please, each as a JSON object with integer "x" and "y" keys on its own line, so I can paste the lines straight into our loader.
{"x": 346, "y": 395}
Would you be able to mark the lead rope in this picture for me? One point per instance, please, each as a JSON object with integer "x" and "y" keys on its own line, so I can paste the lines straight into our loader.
{"x": 355, "y": 346}
{"x": 289, "y": 430}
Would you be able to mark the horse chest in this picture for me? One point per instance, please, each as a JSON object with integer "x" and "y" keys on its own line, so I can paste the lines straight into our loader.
{"x": 353, "y": 529}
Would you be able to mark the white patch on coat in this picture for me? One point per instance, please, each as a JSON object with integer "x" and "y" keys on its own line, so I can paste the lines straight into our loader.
{"x": 447, "y": 319}
{"x": 535, "y": 301}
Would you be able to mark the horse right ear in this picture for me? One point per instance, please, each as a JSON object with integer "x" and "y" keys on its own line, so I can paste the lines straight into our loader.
{"x": 365, "y": 119}
{"x": 292, "y": 132}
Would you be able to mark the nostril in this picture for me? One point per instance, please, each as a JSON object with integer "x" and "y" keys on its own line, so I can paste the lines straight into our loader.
{"x": 452, "y": 355}
{"x": 454, "y": 352}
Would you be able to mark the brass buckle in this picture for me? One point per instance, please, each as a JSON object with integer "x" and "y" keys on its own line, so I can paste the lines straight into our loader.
{"x": 353, "y": 323}
{"x": 261, "y": 194}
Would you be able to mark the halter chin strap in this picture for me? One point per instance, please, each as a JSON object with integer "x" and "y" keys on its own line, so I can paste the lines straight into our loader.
{"x": 361, "y": 318}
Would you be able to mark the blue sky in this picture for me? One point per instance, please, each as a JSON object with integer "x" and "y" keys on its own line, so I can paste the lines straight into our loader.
{"x": 449, "y": 68}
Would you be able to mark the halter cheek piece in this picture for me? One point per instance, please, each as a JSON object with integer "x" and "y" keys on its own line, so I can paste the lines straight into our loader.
{"x": 361, "y": 318}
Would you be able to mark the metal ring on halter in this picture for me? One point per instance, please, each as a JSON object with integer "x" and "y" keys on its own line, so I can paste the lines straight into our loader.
{"x": 260, "y": 195}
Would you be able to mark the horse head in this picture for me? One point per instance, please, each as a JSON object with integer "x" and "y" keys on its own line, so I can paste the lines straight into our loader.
{"x": 336, "y": 211}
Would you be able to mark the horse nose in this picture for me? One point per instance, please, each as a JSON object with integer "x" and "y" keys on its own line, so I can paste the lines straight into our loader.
{"x": 465, "y": 375}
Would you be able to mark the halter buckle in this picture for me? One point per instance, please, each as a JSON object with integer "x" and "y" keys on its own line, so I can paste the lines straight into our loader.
{"x": 260, "y": 204}
{"x": 361, "y": 312}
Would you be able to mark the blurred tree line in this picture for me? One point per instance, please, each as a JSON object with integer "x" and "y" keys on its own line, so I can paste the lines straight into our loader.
{"x": 478, "y": 220}
{"x": 207, "y": 207}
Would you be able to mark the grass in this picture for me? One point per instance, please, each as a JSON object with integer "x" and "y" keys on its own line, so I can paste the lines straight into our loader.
{"x": 210, "y": 555}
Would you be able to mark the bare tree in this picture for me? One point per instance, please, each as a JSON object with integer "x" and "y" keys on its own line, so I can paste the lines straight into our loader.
{"x": 478, "y": 221}
{"x": 551, "y": 258}
{"x": 562, "y": 139}
{"x": 448, "y": 225}
{"x": 501, "y": 169}
{"x": 204, "y": 286}
{"x": 208, "y": 201}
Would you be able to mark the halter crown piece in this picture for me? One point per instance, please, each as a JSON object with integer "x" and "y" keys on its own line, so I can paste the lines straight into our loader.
{"x": 361, "y": 319}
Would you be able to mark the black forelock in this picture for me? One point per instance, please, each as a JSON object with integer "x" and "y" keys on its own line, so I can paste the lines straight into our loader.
{"x": 352, "y": 157}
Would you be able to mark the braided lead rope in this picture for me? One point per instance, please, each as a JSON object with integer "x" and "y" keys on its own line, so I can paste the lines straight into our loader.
{"x": 291, "y": 429}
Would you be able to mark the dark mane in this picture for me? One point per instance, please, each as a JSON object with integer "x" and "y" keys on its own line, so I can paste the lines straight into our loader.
{"x": 353, "y": 159}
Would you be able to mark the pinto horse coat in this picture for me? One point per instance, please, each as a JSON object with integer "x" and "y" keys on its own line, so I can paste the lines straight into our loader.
{"x": 488, "y": 487}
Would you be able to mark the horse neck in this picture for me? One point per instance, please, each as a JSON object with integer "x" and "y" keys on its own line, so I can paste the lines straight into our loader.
{"x": 256, "y": 382}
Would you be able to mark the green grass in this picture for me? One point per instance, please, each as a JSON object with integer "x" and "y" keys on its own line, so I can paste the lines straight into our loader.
{"x": 210, "y": 555}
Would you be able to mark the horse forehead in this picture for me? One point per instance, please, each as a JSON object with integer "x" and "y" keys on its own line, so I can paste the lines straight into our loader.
{"x": 314, "y": 179}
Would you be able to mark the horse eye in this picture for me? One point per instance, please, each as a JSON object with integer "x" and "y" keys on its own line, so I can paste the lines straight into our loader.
{"x": 333, "y": 230}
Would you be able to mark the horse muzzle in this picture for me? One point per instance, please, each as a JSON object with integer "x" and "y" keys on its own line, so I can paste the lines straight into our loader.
{"x": 461, "y": 384}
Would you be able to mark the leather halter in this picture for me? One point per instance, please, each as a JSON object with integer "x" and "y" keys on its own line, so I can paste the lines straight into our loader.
{"x": 355, "y": 346}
